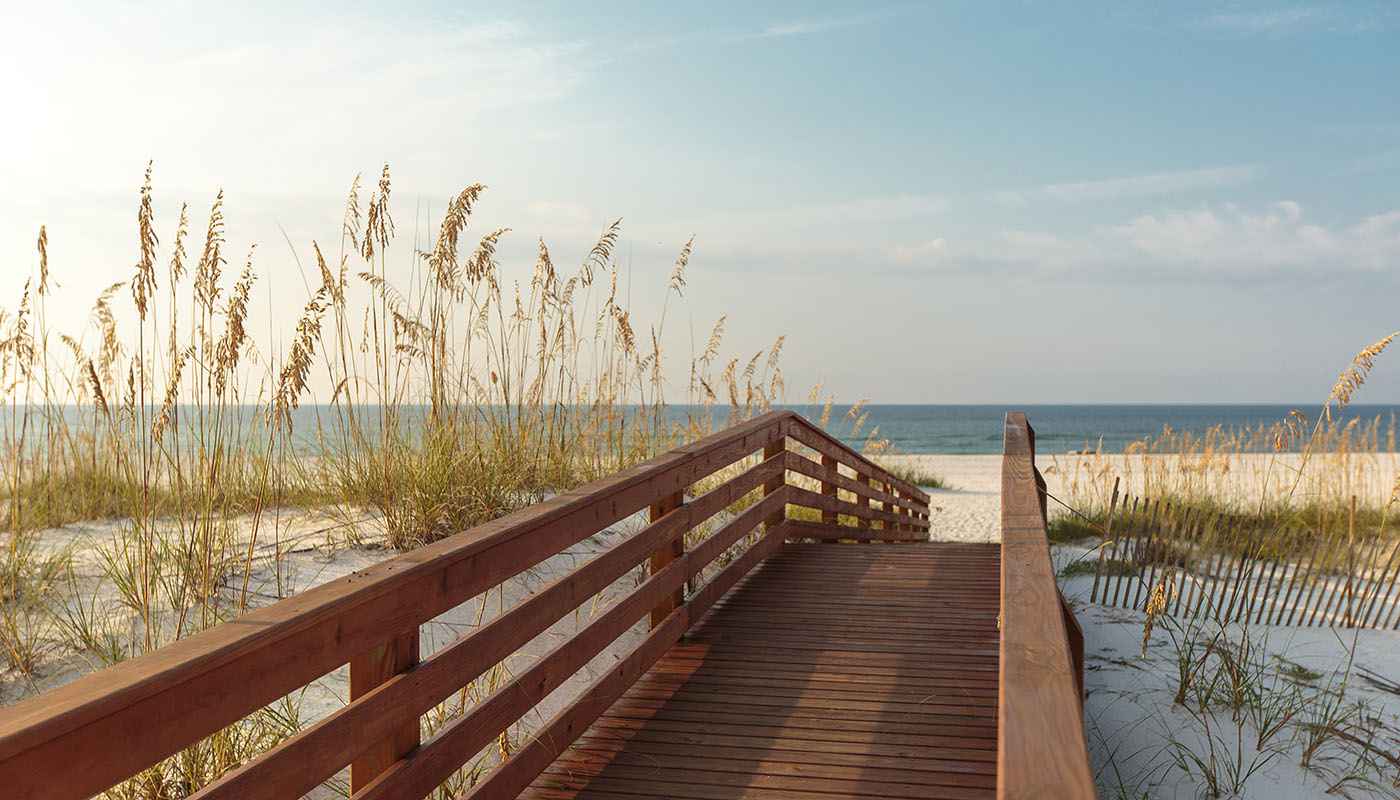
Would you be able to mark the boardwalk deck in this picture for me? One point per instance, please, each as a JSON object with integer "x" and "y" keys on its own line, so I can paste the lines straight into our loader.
{"x": 830, "y": 671}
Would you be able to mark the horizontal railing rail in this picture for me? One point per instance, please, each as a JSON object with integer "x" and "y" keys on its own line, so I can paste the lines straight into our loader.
{"x": 1041, "y": 749}
{"x": 101, "y": 729}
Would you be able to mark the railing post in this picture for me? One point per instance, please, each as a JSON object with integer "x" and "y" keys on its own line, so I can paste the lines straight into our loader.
{"x": 775, "y": 484}
{"x": 665, "y": 555}
{"x": 829, "y": 489}
{"x": 367, "y": 671}
{"x": 863, "y": 501}
{"x": 907, "y": 524}
{"x": 891, "y": 506}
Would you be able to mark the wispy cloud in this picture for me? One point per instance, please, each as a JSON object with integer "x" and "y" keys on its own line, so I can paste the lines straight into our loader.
{"x": 1223, "y": 242}
{"x": 808, "y": 27}
{"x": 1357, "y": 18}
{"x": 1270, "y": 21}
{"x": 1148, "y": 185}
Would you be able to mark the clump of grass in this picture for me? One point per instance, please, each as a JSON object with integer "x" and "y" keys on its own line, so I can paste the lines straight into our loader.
{"x": 1069, "y": 529}
{"x": 915, "y": 473}
{"x": 1086, "y": 567}
{"x": 1244, "y": 713}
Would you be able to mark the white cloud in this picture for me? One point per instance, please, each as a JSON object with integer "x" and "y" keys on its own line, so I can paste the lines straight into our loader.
{"x": 808, "y": 27}
{"x": 1269, "y": 21}
{"x": 255, "y": 96}
{"x": 923, "y": 252}
{"x": 1149, "y": 185}
{"x": 1224, "y": 242}
{"x": 1356, "y": 18}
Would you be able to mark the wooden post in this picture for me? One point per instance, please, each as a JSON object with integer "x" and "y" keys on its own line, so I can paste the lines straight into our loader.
{"x": 829, "y": 489}
{"x": 367, "y": 671}
{"x": 862, "y": 500}
{"x": 665, "y": 555}
{"x": 893, "y": 507}
{"x": 775, "y": 484}
{"x": 1076, "y": 646}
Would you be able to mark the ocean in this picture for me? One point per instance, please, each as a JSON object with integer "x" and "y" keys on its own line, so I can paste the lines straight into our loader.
{"x": 914, "y": 429}
{"x": 1061, "y": 428}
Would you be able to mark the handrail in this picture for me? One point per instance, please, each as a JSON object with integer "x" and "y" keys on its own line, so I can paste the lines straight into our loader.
{"x": 1041, "y": 749}
{"x": 86, "y": 736}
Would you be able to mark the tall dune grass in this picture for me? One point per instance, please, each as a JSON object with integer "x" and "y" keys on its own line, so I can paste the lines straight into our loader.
{"x": 455, "y": 395}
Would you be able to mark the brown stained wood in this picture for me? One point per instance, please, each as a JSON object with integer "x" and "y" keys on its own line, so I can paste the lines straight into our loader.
{"x": 831, "y": 532}
{"x": 830, "y": 478}
{"x": 1076, "y": 646}
{"x": 523, "y": 766}
{"x": 755, "y": 702}
{"x": 1041, "y": 750}
{"x": 317, "y": 753}
{"x": 776, "y": 484}
{"x": 826, "y": 444}
{"x": 810, "y": 499}
{"x": 368, "y": 671}
{"x": 457, "y": 741}
{"x": 827, "y": 472}
{"x": 863, "y": 501}
{"x": 664, "y": 555}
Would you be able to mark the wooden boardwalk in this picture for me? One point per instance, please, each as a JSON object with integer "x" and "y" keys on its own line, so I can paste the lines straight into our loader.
{"x": 829, "y": 671}
{"x": 783, "y": 659}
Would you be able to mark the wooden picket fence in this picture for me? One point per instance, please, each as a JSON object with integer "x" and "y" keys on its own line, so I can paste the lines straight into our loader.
{"x": 1190, "y": 564}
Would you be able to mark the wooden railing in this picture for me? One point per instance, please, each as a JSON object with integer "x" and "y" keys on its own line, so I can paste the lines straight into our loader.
{"x": 97, "y": 731}
{"x": 1041, "y": 749}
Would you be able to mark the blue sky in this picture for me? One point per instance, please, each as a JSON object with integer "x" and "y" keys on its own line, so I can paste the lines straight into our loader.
{"x": 946, "y": 202}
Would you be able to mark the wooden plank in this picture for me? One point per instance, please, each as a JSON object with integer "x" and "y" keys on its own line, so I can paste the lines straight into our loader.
{"x": 826, "y": 444}
{"x": 828, "y": 532}
{"x": 368, "y": 671}
{"x": 1041, "y": 748}
{"x": 804, "y": 497}
{"x": 830, "y": 477}
{"x": 827, "y": 473}
{"x": 664, "y": 555}
{"x": 752, "y": 701}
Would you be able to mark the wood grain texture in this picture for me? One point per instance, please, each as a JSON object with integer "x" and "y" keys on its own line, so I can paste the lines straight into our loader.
{"x": 824, "y": 443}
{"x": 665, "y": 554}
{"x": 1041, "y": 749}
{"x": 827, "y": 473}
{"x": 729, "y": 712}
{"x": 810, "y": 499}
{"x": 368, "y": 671}
{"x": 317, "y": 753}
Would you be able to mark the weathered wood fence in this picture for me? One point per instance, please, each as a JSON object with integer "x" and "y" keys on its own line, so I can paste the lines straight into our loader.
{"x": 1205, "y": 565}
